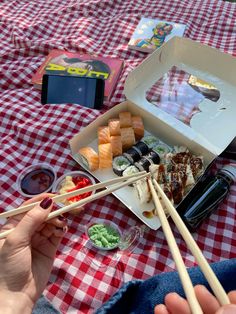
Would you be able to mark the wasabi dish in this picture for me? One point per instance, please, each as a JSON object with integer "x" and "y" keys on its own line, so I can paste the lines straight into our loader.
{"x": 104, "y": 236}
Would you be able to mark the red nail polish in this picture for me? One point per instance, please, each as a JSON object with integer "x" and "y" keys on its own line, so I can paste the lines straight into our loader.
{"x": 62, "y": 218}
{"x": 46, "y": 203}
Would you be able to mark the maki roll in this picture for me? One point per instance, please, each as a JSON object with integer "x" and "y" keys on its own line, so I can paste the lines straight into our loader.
{"x": 162, "y": 149}
{"x": 153, "y": 157}
{"x": 127, "y": 138}
{"x": 137, "y": 124}
{"x": 150, "y": 141}
{"x": 119, "y": 164}
{"x": 89, "y": 157}
{"x": 141, "y": 148}
{"x": 130, "y": 170}
{"x": 132, "y": 155}
{"x": 143, "y": 164}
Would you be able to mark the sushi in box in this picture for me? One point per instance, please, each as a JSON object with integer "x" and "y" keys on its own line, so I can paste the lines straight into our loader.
{"x": 203, "y": 136}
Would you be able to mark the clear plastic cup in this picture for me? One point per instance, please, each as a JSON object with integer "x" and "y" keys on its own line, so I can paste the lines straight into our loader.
{"x": 36, "y": 179}
{"x": 73, "y": 174}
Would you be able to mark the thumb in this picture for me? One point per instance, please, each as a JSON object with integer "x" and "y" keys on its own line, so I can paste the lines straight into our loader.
{"x": 227, "y": 309}
{"x": 32, "y": 220}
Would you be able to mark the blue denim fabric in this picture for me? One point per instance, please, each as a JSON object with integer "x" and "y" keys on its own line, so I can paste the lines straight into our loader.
{"x": 43, "y": 306}
{"x": 141, "y": 296}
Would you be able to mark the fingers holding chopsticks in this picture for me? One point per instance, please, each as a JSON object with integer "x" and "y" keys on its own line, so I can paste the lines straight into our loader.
{"x": 35, "y": 219}
{"x": 175, "y": 304}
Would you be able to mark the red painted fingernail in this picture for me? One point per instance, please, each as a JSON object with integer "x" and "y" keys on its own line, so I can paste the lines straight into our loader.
{"x": 46, "y": 203}
{"x": 62, "y": 218}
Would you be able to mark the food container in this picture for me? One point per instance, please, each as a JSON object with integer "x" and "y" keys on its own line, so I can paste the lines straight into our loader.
{"x": 58, "y": 185}
{"x": 210, "y": 130}
{"x": 104, "y": 231}
{"x": 36, "y": 179}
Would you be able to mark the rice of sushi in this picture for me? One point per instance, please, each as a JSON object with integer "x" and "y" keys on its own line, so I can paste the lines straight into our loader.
{"x": 150, "y": 141}
{"x": 130, "y": 170}
{"x": 162, "y": 149}
{"x": 119, "y": 164}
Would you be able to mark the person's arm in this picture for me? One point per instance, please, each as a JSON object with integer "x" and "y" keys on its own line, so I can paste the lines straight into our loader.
{"x": 26, "y": 256}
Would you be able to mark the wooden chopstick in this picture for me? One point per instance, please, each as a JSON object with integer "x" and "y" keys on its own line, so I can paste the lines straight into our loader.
{"x": 183, "y": 274}
{"x": 195, "y": 250}
{"x": 86, "y": 200}
{"x": 61, "y": 197}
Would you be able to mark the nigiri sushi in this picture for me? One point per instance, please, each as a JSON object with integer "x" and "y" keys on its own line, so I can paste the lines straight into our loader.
{"x": 89, "y": 157}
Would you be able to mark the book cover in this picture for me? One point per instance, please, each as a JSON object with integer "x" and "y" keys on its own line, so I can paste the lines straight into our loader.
{"x": 150, "y": 34}
{"x": 63, "y": 62}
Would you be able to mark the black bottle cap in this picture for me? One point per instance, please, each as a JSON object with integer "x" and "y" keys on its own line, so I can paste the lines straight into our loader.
{"x": 230, "y": 171}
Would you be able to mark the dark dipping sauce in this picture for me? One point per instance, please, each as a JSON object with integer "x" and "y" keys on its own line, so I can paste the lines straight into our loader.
{"x": 37, "y": 181}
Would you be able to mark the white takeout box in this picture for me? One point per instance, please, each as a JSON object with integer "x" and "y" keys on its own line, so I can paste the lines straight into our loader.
{"x": 210, "y": 131}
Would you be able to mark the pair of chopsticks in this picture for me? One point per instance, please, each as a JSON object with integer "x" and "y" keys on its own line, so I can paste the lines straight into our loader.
{"x": 193, "y": 247}
{"x": 111, "y": 186}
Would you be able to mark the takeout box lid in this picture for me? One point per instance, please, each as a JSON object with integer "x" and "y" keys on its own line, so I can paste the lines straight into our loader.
{"x": 214, "y": 126}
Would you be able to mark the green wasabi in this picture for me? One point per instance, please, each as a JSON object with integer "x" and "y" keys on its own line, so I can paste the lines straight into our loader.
{"x": 104, "y": 236}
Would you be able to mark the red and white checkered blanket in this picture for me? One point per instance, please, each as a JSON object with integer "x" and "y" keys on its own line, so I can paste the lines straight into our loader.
{"x": 81, "y": 279}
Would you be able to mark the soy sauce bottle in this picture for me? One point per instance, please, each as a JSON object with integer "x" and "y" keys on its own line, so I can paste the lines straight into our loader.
{"x": 206, "y": 196}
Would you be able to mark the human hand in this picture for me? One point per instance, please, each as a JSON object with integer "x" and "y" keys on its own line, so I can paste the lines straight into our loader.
{"x": 175, "y": 304}
{"x": 27, "y": 255}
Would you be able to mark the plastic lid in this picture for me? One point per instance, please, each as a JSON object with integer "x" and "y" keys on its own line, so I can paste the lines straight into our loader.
{"x": 230, "y": 171}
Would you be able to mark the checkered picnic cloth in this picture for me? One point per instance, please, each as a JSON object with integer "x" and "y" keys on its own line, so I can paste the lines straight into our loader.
{"x": 82, "y": 280}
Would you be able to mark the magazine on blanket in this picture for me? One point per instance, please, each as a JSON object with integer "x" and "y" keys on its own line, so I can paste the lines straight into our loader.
{"x": 63, "y": 62}
{"x": 150, "y": 34}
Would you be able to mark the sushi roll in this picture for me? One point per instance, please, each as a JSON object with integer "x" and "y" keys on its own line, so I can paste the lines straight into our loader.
{"x": 137, "y": 124}
{"x": 143, "y": 164}
{"x": 150, "y": 140}
{"x": 153, "y": 157}
{"x": 141, "y": 148}
{"x": 89, "y": 158}
{"x": 143, "y": 191}
{"x": 127, "y": 138}
{"x": 132, "y": 155}
{"x": 125, "y": 119}
{"x": 130, "y": 170}
{"x": 116, "y": 145}
{"x": 105, "y": 156}
{"x": 162, "y": 149}
{"x": 114, "y": 127}
{"x": 119, "y": 164}
{"x": 103, "y": 135}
